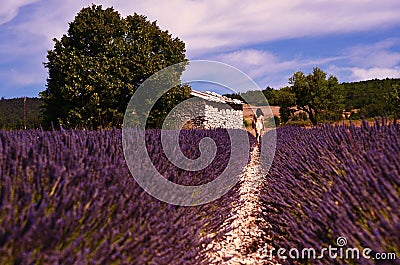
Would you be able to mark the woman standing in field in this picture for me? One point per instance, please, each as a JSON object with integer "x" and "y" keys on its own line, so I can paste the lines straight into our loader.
{"x": 258, "y": 124}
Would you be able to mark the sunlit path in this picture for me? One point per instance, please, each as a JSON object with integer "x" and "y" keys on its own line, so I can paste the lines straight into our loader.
{"x": 242, "y": 244}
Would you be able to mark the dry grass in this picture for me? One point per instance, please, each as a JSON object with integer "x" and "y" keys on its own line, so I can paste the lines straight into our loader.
{"x": 249, "y": 111}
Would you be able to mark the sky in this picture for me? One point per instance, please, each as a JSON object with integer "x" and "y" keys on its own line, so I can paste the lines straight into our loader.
{"x": 353, "y": 40}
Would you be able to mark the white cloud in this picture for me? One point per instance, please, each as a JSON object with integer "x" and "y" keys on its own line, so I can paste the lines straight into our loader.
{"x": 214, "y": 26}
{"x": 375, "y": 72}
{"x": 231, "y": 25}
{"x": 20, "y": 80}
{"x": 262, "y": 66}
{"x": 49, "y": 19}
{"x": 218, "y": 25}
{"x": 375, "y": 55}
{"x": 9, "y": 9}
{"x": 21, "y": 77}
{"x": 224, "y": 30}
{"x": 267, "y": 68}
{"x": 368, "y": 61}
{"x": 253, "y": 62}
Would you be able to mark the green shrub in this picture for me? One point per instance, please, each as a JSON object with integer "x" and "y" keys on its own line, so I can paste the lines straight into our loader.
{"x": 299, "y": 123}
{"x": 246, "y": 123}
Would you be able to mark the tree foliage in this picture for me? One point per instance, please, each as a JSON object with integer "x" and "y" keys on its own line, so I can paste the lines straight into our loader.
{"x": 371, "y": 98}
{"x": 272, "y": 95}
{"x": 286, "y": 101}
{"x": 320, "y": 97}
{"x": 253, "y": 97}
{"x": 393, "y": 100}
{"x": 96, "y": 67}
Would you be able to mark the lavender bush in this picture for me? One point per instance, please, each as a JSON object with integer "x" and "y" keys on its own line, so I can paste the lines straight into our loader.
{"x": 67, "y": 197}
{"x": 329, "y": 182}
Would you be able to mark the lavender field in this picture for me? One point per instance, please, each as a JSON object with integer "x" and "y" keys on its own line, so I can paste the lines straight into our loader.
{"x": 67, "y": 197}
{"x": 331, "y": 182}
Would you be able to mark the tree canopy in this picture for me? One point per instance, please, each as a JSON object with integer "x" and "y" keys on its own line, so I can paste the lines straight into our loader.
{"x": 318, "y": 96}
{"x": 96, "y": 67}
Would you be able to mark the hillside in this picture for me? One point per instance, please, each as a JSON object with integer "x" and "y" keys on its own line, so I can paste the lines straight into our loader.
{"x": 12, "y": 113}
{"x": 369, "y": 96}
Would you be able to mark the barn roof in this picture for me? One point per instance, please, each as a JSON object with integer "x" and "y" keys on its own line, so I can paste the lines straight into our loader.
{"x": 212, "y": 96}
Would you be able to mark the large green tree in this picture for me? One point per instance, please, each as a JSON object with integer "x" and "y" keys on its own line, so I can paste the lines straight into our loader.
{"x": 320, "y": 97}
{"x": 96, "y": 67}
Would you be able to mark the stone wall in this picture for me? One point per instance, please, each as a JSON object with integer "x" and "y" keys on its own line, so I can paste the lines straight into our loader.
{"x": 221, "y": 116}
{"x": 202, "y": 114}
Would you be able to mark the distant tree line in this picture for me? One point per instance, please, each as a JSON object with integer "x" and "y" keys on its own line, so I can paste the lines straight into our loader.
{"x": 318, "y": 98}
{"x": 369, "y": 99}
{"x": 12, "y": 113}
{"x": 253, "y": 97}
{"x": 373, "y": 97}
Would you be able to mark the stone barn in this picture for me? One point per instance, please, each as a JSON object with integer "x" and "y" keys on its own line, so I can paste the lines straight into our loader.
{"x": 208, "y": 110}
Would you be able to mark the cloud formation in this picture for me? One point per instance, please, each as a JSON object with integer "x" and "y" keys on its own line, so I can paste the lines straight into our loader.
{"x": 376, "y": 54}
{"x": 230, "y": 31}
{"x": 9, "y": 9}
{"x": 214, "y": 26}
{"x": 368, "y": 61}
{"x": 374, "y": 72}
{"x": 269, "y": 69}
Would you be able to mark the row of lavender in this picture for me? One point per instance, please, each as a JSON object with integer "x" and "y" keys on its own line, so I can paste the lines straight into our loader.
{"x": 330, "y": 182}
{"x": 67, "y": 197}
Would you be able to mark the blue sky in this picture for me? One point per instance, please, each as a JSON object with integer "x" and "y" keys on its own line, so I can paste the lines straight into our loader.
{"x": 268, "y": 40}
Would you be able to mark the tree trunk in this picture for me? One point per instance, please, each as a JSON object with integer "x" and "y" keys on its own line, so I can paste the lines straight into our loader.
{"x": 312, "y": 118}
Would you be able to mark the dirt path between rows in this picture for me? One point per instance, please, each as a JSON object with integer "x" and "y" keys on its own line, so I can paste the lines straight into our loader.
{"x": 244, "y": 242}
